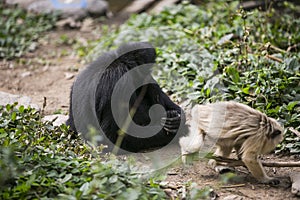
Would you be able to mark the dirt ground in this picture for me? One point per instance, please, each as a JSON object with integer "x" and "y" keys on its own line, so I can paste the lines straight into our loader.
{"x": 50, "y": 71}
{"x": 244, "y": 186}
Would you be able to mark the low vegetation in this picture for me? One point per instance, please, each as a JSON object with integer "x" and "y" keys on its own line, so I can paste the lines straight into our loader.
{"x": 38, "y": 160}
{"x": 20, "y": 30}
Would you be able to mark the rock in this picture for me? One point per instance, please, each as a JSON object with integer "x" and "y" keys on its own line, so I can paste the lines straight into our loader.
{"x": 97, "y": 7}
{"x": 7, "y": 98}
{"x": 59, "y": 119}
{"x": 76, "y": 9}
{"x": 69, "y": 76}
{"x": 68, "y": 22}
{"x": 25, "y": 74}
{"x": 87, "y": 25}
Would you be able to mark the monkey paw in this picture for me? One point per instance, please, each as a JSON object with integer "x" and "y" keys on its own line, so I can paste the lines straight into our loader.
{"x": 224, "y": 169}
{"x": 171, "y": 123}
{"x": 271, "y": 181}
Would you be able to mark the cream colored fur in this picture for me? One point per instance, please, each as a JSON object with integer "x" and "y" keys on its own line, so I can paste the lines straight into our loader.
{"x": 233, "y": 125}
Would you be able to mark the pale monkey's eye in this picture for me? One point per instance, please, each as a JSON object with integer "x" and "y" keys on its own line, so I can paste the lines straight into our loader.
{"x": 275, "y": 133}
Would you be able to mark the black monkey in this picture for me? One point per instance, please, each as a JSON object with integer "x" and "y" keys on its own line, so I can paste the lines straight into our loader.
{"x": 124, "y": 72}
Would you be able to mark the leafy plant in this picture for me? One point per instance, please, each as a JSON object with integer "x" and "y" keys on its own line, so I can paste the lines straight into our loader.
{"x": 38, "y": 160}
{"x": 19, "y": 30}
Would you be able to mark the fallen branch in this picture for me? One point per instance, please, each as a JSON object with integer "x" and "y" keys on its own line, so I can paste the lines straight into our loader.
{"x": 234, "y": 163}
{"x": 294, "y": 131}
{"x": 281, "y": 164}
{"x": 295, "y": 46}
{"x": 270, "y": 46}
{"x": 274, "y": 58}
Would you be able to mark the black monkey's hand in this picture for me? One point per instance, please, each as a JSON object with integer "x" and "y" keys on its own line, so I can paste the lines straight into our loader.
{"x": 171, "y": 123}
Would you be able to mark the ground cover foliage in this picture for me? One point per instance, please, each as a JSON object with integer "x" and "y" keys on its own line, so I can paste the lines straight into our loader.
{"x": 218, "y": 52}
{"x": 38, "y": 160}
{"x": 20, "y": 30}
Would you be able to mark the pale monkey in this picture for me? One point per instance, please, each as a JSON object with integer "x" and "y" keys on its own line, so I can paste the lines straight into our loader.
{"x": 234, "y": 125}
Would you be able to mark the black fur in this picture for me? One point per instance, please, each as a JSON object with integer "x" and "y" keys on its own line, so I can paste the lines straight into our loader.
{"x": 151, "y": 94}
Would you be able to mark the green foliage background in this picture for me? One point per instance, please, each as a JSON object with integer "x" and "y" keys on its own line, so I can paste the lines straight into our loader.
{"x": 20, "y": 30}
{"x": 217, "y": 52}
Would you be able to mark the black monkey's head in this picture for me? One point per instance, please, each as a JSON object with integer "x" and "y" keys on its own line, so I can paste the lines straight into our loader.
{"x": 134, "y": 54}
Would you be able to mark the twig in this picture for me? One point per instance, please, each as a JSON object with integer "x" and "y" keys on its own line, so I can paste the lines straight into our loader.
{"x": 294, "y": 131}
{"x": 233, "y": 186}
{"x": 172, "y": 173}
{"x": 293, "y": 47}
{"x": 268, "y": 45}
{"x": 234, "y": 163}
{"x": 281, "y": 164}
{"x": 274, "y": 58}
{"x": 168, "y": 186}
{"x": 44, "y": 106}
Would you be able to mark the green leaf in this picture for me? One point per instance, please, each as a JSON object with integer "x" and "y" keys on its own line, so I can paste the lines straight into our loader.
{"x": 3, "y": 135}
{"x": 21, "y": 109}
{"x": 246, "y": 90}
{"x": 292, "y": 104}
{"x": 113, "y": 179}
{"x": 13, "y": 116}
{"x": 131, "y": 193}
{"x": 8, "y": 107}
{"x": 66, "y": 178}
{"x": 233, "y": 73}
{"x": 85, "y": 188}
